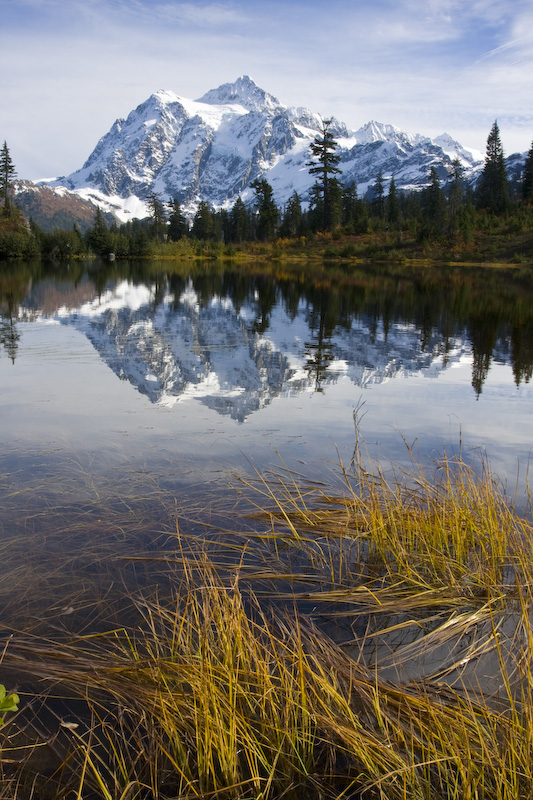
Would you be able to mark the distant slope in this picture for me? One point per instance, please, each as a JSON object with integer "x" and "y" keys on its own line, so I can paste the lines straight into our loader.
{"x": 54, "y": 208}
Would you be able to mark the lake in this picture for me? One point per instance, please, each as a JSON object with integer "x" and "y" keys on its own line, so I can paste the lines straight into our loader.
{"x": 135, "y": 393}
{"x": 142, "y": 401}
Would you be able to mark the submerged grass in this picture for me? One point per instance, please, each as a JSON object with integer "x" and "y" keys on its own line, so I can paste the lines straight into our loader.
{"x": 368, "y": 641}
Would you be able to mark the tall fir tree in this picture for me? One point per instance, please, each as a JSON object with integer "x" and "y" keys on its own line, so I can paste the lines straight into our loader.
{"x": 378, "y": 201}
{"x": 267, "y": 211}
{"x": 203, "y": 226}
{"x": 433, "y": 207}
{"x": 98, "y": 236}
{"x": 493, "y": 191}
{"x": 7, "y": 175}
{"x": 455, "y": 193}
{"x": 350, "y": 207}
{"x": 527, "y": 178}
{"x": 239, "y": 222}
{"x": 292, "y": 216}
{"x": 393, "y": 204}
{"x": 158, "y": 224}
{"x": 177, "y": 224}
{"x": 323, "y": 163}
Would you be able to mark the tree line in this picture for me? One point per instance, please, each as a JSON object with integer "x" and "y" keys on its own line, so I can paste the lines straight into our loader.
{"x": 449, "y": 210}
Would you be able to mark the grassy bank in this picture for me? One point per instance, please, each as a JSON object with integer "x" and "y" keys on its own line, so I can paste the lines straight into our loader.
{"x": 504, "y": 247}
{"x": 369, "y": 638}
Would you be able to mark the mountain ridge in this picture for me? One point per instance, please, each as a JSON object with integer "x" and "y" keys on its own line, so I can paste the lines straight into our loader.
{"x": 213, "y": 148}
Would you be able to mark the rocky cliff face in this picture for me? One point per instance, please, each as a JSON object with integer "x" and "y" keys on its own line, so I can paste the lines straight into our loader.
{"x": 211, "y": 149}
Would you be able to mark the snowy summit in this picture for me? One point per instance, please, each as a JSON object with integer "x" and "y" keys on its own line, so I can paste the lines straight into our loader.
{"x": 212, "y": 148}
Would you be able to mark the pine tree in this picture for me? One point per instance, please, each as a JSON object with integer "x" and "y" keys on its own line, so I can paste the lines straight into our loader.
{"x": 324, "y": 164}
{"x": 350, "y": 207}
{"x": 157, "y": 216}
{"x": 493, "y": 193}
{"x": 292, "y": 216}
{"x": 378, "y": 202}
{"x": 98, "y": 236}
{"x": 527, "y": 179}
{"x": 433, "y": 207}
{"x": 267, "y": 211}
{"x": 455, "y": 193}
{"x": 177, "y": 224}
{"x": 393, "y": 205}
{"x": 203, "y": 226}
{"x": 315, "y": 215}
{"x": 239, "y": 222}
{"x": 7, "y": 175}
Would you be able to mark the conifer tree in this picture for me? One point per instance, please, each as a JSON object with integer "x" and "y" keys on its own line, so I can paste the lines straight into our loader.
{"x": 393, "y": 205}
{"x": 527, "y": 180}
{"x": 493, "y": 193}
{"x": 157, "y": 216}
{"x": 239, "y": 222}
{"x": 350, "y": 207}
{"x": 98, "y": 236}
{"x": 7, "y": 175}
{"x": 292, "y": 216}
{"x": 433, "y": 207}
{"x": 378, "y": 202}
{"x": 267, "y": 211}
{"x": 455, "y": 189}
{"x": 203, "y": 226}
{"x": 177, "y": 224}
{"x": 324, "y": 165}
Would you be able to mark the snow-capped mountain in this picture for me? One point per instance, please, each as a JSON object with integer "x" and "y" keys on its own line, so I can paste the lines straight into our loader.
{"x": 212, "y": 149}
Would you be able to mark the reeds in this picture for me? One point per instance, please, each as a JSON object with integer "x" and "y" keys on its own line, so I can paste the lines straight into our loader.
{"x": 372, "y": 640}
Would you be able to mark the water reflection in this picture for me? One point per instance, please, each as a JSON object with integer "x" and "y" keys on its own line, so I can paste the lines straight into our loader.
{"x": 236, "y": 338}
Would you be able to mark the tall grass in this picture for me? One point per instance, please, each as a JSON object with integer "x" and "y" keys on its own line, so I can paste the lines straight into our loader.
{"x": 371, "y": 640}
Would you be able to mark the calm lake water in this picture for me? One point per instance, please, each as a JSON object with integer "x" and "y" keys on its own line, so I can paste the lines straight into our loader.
{"x": 164, "y": 380}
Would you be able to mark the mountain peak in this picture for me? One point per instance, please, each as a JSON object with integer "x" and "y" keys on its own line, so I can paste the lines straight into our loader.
{"x": 245, "y": 92}
{"x": 212, "y": 149}
{"x": 454, "y": 150}
{"x": 378, "y": 132}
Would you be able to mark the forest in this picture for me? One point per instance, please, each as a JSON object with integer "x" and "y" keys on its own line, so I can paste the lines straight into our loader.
{"x": 452, "y": 220}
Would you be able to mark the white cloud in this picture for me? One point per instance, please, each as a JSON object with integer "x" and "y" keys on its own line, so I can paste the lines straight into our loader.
{"x": 200, "y": 14}
{"x": 424, "y": 66}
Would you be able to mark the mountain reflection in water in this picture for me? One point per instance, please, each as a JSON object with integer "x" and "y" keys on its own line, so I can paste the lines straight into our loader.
{"x": 234, "y": 339}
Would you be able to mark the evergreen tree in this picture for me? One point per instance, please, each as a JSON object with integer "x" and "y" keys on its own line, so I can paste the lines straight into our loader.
{"x": 324, "y": 164}
{"x": 493, "y": 193}
{"x": 203, "y": 226}
{"x": 527, "y": 178}
{"x": 455, "y": 195}
{"x": 158, "y": 225}
{"x": 393, "y": 205}
{"x": 350, "y": 207}
{"x": 433, "y": 207}
{"x": 292, "y": 217}
{"x": 139, "y": 243}
{"x": 221, "y": 225}
{"x": 98, "y": 236}
{"x": 334, "y": 213}
{"x": 316, "y": 208}
{"x": 267, "y": 211}
{"x": 239, "y": 222}
{"x": 7, "y": 175}
{"x": 177, "y": 224}
{"x": 378, "y": 201}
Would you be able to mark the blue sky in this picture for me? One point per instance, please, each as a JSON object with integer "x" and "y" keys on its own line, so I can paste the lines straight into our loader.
{"x": 71, "y": 67}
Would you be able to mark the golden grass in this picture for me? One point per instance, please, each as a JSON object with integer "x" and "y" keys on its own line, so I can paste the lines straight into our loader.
{"x": 372, "y": 641}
